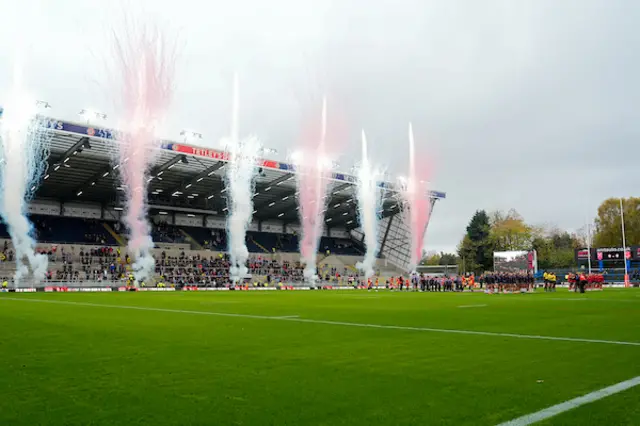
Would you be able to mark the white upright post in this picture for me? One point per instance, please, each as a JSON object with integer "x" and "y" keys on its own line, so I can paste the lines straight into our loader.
{"x": 589, "y": 245}
{"x": 624, "y": 245}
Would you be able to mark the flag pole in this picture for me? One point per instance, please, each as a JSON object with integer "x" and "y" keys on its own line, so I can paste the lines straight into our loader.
{"x": 624, "y": 246}
{"x": 589, "y": 245}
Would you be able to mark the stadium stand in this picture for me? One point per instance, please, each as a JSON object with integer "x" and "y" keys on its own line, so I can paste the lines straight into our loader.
{"x": 52, "y": 229}
{"x": 77, "y": 211}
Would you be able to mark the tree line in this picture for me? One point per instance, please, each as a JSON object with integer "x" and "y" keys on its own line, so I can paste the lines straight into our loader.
{"x": 508, "y": 231}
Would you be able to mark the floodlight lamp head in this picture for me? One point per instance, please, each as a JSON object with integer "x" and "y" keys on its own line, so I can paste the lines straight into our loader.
{"x": 297, "y": 157}
{"x": 190, "y": 134}
{"x": 269, "y": 151}
{"x": 325, "y": 163}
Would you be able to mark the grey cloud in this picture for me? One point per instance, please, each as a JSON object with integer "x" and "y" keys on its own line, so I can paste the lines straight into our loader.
{"x": 514, "y": 103}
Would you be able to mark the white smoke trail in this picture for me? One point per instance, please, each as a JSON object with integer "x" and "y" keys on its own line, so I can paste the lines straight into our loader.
{"x": 241, "y": 184}
{"x": 24, "y": 140}
{"x": 240, "y": 180}
{"x": 369, "y": 199}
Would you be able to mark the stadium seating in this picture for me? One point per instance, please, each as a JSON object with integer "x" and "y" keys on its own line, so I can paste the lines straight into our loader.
{"x": 87, "y": 263}
{"x": 82, "y": 249}
{"x": 71, "y": 230}
{"x": 60, "y": 229}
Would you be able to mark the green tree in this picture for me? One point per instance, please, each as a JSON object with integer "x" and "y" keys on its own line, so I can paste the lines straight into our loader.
{"x": 433, "y": 260}
{"x": 555, "y": 249}
{"x": 467, "y": 253}
{"x": 475, "y": 251}
{"x": 509, "y": 231}
{"x": 448, "y": 258}
{"x": 608, "y": 225}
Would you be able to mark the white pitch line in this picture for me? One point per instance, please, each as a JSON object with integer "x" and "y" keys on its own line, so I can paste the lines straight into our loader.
{"x": 567, "y": 298}
{"x": 594, "y": 300}
{"x": 287, "y": 317}
{"x": 572, "y": 403}
{"x": 328, "y": 322}
{"x": 472, "y": 306}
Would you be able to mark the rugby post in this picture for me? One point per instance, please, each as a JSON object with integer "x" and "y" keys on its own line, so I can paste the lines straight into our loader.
{"x": 624, "y": 247}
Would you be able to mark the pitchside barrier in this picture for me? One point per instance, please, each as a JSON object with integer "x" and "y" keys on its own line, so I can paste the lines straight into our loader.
{"x": 101, "y": 286}
{"x": 65, "y": 289}
{"x": 98, "y": 286}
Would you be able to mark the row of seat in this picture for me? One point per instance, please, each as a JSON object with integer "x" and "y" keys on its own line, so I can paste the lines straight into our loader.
{"x": 60, "y": 229}
{"x": 71, "y": 230}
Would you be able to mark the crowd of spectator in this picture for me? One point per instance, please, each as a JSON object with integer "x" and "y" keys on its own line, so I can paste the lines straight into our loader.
{"x": 165, "y": 233}
{"x": 217, "y": 240}
{"x": 41, "y": 229}
{"x": 7, "y": 253}
{"x": 96, "y": 234}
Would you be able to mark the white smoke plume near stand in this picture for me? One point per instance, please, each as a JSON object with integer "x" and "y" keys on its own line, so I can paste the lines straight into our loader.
{"x": 24, "y": 140}
{"x": 145, "y": 70}
{"x": 369, "y": 196}
{"x": 314, "y": 169}
{"x": 240, "y": 182}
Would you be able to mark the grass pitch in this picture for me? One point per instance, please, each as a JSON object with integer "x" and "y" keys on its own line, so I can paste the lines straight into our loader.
{"x": 314, "y": 358}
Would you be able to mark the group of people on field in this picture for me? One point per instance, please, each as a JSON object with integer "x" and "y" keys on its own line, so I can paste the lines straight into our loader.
{"x": 508, "y": 281}
{"x": 580, "y": 281}
{"x": 422, "y": 282}
{"x": 550, "y": 279}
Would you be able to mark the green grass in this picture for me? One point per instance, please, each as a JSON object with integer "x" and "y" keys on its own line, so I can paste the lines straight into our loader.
{"x": 74, "y": 364}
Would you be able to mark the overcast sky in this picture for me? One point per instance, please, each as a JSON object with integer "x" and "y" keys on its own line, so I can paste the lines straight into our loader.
{"x": 525, "y": 104}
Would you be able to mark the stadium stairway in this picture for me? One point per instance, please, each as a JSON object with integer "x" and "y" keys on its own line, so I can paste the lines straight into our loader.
{"x": 119, "y": 239}
{"x": 195, "y": 245}
{"x": 260, "y": 246}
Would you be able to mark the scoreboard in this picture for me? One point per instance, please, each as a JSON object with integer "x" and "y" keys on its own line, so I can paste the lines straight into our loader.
{"x": 608, "y": 254}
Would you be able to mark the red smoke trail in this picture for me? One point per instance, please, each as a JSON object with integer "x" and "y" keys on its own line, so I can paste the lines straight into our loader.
{"x": 314, "y": 169}
{"x": 146, "y": 70}
{"x": 416, "y": 196}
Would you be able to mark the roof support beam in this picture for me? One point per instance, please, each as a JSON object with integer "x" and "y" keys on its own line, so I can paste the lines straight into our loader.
{"x": 108, "y": 170}
{"x": 267, "y": 187}
{"x": 290, "y": 197}
{"x": 76, "y": 148}
{"x": 158, "y": 171}
{"x": 340, "y": 187}
{"x": 277, "y": 181}
{"x": 386, "y": 235}
{"x": 86, "y": 185}
{"x": 197, "y": 178}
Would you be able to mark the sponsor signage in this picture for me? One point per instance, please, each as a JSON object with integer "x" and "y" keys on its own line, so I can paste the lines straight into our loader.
{"x": 214, "y": 154}
{"x": 583, "y": 253}
{"x": 156, "y": 289}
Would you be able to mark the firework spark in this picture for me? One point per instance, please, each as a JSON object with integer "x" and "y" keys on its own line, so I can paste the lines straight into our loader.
{"x": 369, "y": 201}
{"x": 417, "y": 206}
{"x": 24, "y": 140}
{"x": 146, "y": 65}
